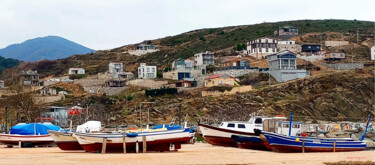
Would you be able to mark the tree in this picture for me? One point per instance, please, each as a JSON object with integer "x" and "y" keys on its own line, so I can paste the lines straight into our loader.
{"x": 240, "y": 46}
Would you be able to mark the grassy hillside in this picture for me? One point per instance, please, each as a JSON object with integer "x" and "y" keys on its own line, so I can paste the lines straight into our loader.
{"x": 187, "y": 44}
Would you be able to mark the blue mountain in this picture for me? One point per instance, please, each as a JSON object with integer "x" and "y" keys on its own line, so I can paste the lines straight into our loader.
{"x": 50, "y": 47}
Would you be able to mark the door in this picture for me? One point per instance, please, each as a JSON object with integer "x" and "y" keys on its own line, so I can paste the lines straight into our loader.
{"x": 182, "y": 75}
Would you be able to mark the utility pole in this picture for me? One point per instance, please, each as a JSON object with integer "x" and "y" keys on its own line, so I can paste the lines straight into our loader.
{"x": 6, "y": 119}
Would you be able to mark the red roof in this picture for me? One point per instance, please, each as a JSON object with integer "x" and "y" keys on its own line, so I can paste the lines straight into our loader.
{"x": 217, "y": 76}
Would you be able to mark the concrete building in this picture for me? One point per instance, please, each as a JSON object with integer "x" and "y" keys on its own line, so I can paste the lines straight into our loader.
{"x": 283, "y": 66}
{"x": 181, "y": 64}
{"x": 146, "y": 72}
{"x": 373, "y": 53}
{"x": 58, "y": 115}
{"x": 30, "y": 78}
{"x": 76, "y": 71}
{"x": 331, "y": 56}
{"x": 48, "y": 91}
{"x": 115, "y": 67}
{"x": 181, "y": 73}
{"x": 220, "y": 80}
{"x": 288, "y": 45}
{"x": 260, "y": 48}
{"x": 286, "y": 31}
{"x": 205, "y": 58}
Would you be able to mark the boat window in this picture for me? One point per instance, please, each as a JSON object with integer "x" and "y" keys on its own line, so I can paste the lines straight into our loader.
{"x": 241, "y": 126}
{"x": 230, "y": 125}
{"x": 258, "y": 121}
{"x": 285, "y": 125}
{"x": 295, "y": 126}
{"x": 221, "y": 124}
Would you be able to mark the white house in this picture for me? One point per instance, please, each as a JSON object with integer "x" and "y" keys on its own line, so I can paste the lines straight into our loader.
{"x": 373, "y": 53}
{"x": 205, "y": 58}
{"x": 115, "y": 67}
{"x": 261, "y": 47}
{"x": 283, "y": 66}
{"x": 143, "y": 49}
{"x": 145, "y": 72}
{"x": 288, "y": 45}
{"x": 76, "y": 71}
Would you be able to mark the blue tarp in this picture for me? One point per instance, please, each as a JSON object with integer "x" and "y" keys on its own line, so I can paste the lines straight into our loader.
{"x": 33, "y": 129}
{"x": 168, "y": 127}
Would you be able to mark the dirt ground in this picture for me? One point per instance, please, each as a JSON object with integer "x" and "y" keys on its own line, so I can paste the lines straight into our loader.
{"x": 198, "y": 153}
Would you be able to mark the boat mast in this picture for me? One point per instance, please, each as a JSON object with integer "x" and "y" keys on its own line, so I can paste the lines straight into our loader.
{"x": 290, "y": 123}
{"x": 368, "y": 122}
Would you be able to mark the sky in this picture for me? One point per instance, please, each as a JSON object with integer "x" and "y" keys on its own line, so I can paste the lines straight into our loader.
{"x": 107, "y": 24}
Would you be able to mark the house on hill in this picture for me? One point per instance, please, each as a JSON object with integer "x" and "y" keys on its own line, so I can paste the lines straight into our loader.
{"x": 288, "y": 45}
{"x": 76, "y": 71}
{"x": 286, "y": 31}
{"x": 283, "y": 66}
{"x": 30, "y": 78}
{"x": 311, "y": 48}
{"x": 373, "y": 53}
{"x": 235, "y": 63}
{"x": 220, "y": 80}
{"x": 182, "y": 64}
{"x": 205, "y": 58}
{"x": 261, "y": 47}
{"x": 187, "y": 82}
{"x": 143, "y": 49}
{"x": 2, "y": 84}
{"x": 146, "y": 72}
{"x": 115, "y": 67}
{"x": 332, "y": 56}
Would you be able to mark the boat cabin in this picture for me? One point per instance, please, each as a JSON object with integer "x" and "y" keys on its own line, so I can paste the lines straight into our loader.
{"x": 283, "y": 128}
{"x": 256, "y": 122}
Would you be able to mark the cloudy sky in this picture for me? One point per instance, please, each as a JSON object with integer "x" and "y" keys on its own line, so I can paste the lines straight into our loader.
{"x": 105, "y": 24}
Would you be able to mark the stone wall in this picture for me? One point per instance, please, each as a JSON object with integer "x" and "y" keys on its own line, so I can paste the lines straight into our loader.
{"x": 336, "y": 43}
{"x": 233, "y": 91}
{"x": 148, "y": 83}
{"x": 344, "y": 66}
{"x": 237, "y": 72}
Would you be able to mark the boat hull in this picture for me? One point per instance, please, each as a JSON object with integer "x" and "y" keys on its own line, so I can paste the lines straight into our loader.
{"x": 249, "y": 142}
{"x": 281, "y": 143}
{"x": 222, "y": 137}
{"x": 155, "y": 141}
{"x": 39, "y": 140}
{"x": 65, "y": 140}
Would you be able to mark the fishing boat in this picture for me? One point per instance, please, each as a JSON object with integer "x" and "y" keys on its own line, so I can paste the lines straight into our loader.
{"x": 283, "y": 143}
{"x": 29, "y": 135}
{"x": 288, "y": 143}
{"x": 225, "y": 134}
{"x": 65, "y": 139}
{"x": 156, "y": 140}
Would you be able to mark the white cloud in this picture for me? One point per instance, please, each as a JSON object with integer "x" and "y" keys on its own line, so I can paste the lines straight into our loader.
{"x": 107, "y": 24}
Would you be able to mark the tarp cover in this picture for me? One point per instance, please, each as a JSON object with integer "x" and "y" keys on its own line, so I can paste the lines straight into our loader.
{"x": 33, "y": 129}
{"x": 168, "y": 127}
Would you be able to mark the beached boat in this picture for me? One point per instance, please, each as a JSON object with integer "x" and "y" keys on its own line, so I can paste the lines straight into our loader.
{"x": 155, "y": 140}
{"x": 283, "y": 143}
{"x": 29, "y": 135}
{"x": 225, "y": 134}
{"x": 66, "y": 140}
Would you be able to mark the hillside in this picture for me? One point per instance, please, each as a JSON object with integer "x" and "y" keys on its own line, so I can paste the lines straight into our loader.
{"x": 50, "y": 47}
{"x": 7, "y": 63}
{"x": 220, "y": 40}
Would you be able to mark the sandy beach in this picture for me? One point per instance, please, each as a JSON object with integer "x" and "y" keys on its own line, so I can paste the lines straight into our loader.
{"x": 198, "y": 153}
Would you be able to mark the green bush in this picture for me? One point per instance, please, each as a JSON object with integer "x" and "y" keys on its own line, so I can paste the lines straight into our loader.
{"x": 77, "y": 76}
{"x": 161, "y": 91}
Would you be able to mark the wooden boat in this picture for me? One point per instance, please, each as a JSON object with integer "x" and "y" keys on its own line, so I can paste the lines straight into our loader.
{"x": 155, "y": 140}
{"x": 31, "y": 140}
{"x": 228, "y": 131}
{"x": 283, "y": 143}
{"x": 65, "y": 140}
{"x": 29, "y": 135}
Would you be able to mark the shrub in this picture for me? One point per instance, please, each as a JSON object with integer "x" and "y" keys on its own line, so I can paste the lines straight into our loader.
{"x": 160, "y": 92}
{"x": 77, "y": 76}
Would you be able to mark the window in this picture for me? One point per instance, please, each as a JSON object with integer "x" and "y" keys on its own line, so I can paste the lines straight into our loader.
{"x": 213, "y": 82}
{"x": 153, "y": 69}
{"x": 148, "y": 69}
{"x": 221, "y": 124}
{"x": 295, "y": 125}
{"x": 309, "y": 47}
{"x": 318, "y": 47}
{"x": 241, "y": 126}
{"x": 220, "y": 82}
{"x": 258, "y": 121}
{"x": 266, "y": 49}
{"x": 229, "y": 82}
{"x": 234, "y": 64}
{"x": 260, "y": 49}
{"x": 285, "y": 125}
{"x": 230, "y": 125}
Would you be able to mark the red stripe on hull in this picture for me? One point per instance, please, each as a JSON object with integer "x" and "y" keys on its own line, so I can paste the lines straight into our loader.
{"x": 158, "y": 145}
{"x": 68, "y": 146}
{"x": 282, "y": 148}
{"x": 251, "y": 145}
{"x": 220, "y": 141}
